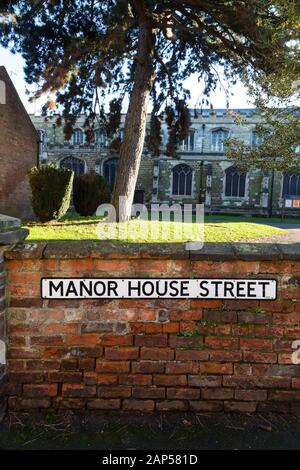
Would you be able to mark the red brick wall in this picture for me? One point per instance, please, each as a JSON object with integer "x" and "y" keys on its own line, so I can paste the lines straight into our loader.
{"x": 18, "y": 153}
{"x": 146, "y": 355}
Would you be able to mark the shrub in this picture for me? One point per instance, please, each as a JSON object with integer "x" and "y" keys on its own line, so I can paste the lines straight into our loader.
{"x": 51, "y": 189}
{"x": 89, "y": 191}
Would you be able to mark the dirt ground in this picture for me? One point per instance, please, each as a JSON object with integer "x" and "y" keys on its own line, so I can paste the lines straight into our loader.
{"x": 172, "y": 431}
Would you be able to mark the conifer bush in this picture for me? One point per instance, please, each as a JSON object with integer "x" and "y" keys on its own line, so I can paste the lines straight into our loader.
{"x": 51, "y": 189}
{"x": 89, "y": 191}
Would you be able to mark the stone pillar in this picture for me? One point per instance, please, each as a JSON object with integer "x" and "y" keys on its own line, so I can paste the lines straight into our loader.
{"x": 10, "y": 234}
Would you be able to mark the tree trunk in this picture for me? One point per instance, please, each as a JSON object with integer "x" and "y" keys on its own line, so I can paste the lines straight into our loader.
{"x": 135, "y": 123}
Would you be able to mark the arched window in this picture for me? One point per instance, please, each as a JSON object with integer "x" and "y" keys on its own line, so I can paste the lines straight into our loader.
{"x": 189, "y": 142}
{"x": 235, "y": 182}
{"x": 74, "y": 164}
{"x": 217, "y": 140}
{"x": 182, "y": 180}
{"x": 291, "y": 184}
{"x": 77, "y": 137}
{"x": 257, "y": 138}
{"x": 110, "y": 169}
{"x": 100, "y": 138}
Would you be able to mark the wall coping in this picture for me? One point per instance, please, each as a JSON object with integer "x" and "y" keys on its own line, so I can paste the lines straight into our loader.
{"x": 168, "y": 251}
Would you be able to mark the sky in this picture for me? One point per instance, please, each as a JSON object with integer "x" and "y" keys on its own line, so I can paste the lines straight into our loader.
{"x": 14, "y": 64}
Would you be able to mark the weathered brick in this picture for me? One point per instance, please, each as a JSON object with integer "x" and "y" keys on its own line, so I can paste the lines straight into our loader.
{"x": 40, "y": 391}
{"x": 104, "y": 404}
{"x": 138, "y": 405}
{"x": 158, "y": 341}
{"x": 171, "y": 405}
{"x": 155, "y": 393}
{"x": 217, "y": 394}
{"x": 253, "y": 344}
{"x": 220, "y": 316}
{"x": 260, "y": 357}
{"x": 250, "y": 395}
{"x": 112, "y": 366}
{"x": 216, "y": 342}
{"x": 78, "y": 390}
{"x": 191, "y": 355}
{"x": 147, "y": 367}
{"x": 240, "y": 407}
{"x": 183, "y": 393}
{"x": 123, "y": 353}
{"x": 135, "y": 379}
{"x": 182, "y": 368}
{"x": 185, "y": 342}
{"x": 216, "y": 368}
{"x": 159, "y": 354}
{"x": 170, "y": 380}
{"x": 204, "y": 381}
{"x": 114, "y": 392}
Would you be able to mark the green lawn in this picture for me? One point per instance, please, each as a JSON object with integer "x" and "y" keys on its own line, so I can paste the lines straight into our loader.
{"x": 216, "y": 229}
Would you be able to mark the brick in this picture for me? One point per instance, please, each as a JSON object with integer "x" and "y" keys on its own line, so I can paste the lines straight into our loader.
{"x": 159, "y": 354}
{"x": 250, "y": 395}
{"x": 135, "y": 379}
{"x": 78, "y": 390}
{"x": 253, "y": 317}
{"x": 242, "y": 369}
{"x": 97, "y": 327}
{"x": 296, "y": 382}
{"x": 87, "y": 364}
{"x": 182, "y": 368}
{"x": 284, "y": 395}
{"x": 138, "y": 405}
{"x": 216, "y": 368}
{"x": 26, "y": 377}
{"x": 189, "y": 315}
{"x": 123, "y": 353}
{"x": 183, "y": 393}
{"x": 67, "y": 377}
{"x": 204, "y": 381}
{"x": 69, "y": 364}
{"x": 171, "y": 405}
{"x": 155, "y": 393}
{"x": 276, "y": 370}
{"x": 191, "y": 355}
{"x": 90, "y": 378}
{"x": 220, "y": 316}
{"x": 112, "y": 366}
{"x": 40, "y": 391}
{"x": 71, "y": 403}
{"x": 217, "y": 394}
{"x": 114, "y": 392}
{"x": 147, "y": 367}
{"x": 170, "y": 380}
{"x": 240, "y": 407}
{"x": 185, "y": 342}
{"x": 171, "y": 328}
{"x": 107, "y": 379}
{"x": 260, "y": 357}
{"x": 104, "y": 404}
{"x": 256, "y": 382}
{"x": 216, "y": 342}
{"x": 253, "y": 344}
{"x": 35, "y": 403}
{"x": 206, "y": 406}
{"x": 226, "y": 356}
{"x": 111, "y": 340}
{"x": 158, "y": 341}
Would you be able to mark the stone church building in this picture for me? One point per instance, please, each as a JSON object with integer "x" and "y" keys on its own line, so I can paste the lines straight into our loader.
{"x": 199, "y": 173}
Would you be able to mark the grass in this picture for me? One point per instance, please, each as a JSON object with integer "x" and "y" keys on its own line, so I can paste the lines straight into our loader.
{"x": 216, "y": 229}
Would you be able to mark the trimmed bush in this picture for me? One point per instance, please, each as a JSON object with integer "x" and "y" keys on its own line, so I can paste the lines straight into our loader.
{"x": 51, "y": 189}
{"x": 89, "y": 191}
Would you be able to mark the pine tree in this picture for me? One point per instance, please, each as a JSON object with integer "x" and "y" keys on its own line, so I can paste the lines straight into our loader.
{"x": 83, "y": 51}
